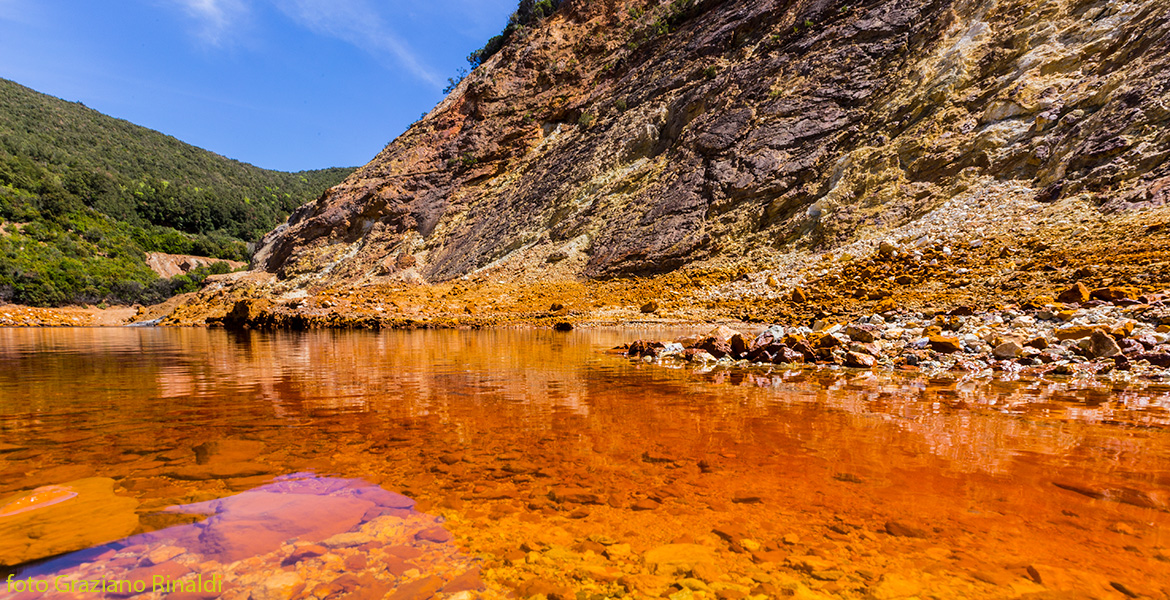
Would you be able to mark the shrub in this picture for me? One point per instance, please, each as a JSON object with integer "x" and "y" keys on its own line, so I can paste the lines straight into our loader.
{"x": 527, "y": 12}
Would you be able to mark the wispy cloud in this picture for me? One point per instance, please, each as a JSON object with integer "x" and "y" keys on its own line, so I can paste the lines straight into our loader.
{"x": 360, "y": 24}
{"x": 17, "y": 11}
{"x": 215, "y": 18}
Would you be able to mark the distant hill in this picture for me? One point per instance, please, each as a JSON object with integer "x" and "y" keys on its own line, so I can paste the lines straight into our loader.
{"x": 83, "y": 197}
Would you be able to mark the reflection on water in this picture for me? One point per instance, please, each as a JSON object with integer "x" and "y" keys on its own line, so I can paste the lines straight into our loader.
{"x": 564, "y": 470}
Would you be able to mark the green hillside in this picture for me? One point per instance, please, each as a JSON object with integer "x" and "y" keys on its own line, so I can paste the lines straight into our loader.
{"x": 84, "y": 196}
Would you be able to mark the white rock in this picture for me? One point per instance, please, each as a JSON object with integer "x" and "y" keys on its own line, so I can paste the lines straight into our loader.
{"x": 1008, "y": 350}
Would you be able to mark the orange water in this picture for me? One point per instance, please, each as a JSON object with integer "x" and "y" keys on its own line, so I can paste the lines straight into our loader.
{"x": 544, "y": 455}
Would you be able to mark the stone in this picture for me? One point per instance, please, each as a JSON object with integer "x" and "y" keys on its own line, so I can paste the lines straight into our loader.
{"x": 857, "y": 360}
{"x": 899, "y": 529}
{"x": 1123, "y": 330}
{"x": 786, "y": 355}
{"x": 469, "y": 580}
{"x": 543, "y": 587}
{"x": 348, "y": 539}
{"x": 575, "y": 495}
{"x": 227, "y": 451}
{"x": 1103, "y": 345}
{"x": 304, "y": 552}
{"x": 862, "y": 333}
{"x": 614, "y": 551}
{"x": 419, "y": 589}
{"x": 218, "y": 470}
{"x": 1008, "y": 350}
{"x": 94, "y": 516}
{"x": 809, "y": 563}
{"x": 944, "y": 344}
{"x": 715, "y": 347}
{"x": 746, "y": 497}
{"x": 1038, "y": 342}
{"x": 673, "y": 558}
{"x": 649, "y": 307}
{"x": 277, "y": 587}
{"x": 732, "y": 533}
{"x": 698, "y": 355}
{"x": 893, "y": 585}
{"x": 164, "y": 572}
{"x": 830, "y": 340}
{"x": 799, "y": 296}
{"x": 1077, "y": 294}
{"x": 1158, "y": 359}
{"x": 724, "y": 334}
{"x": 259, "y": 521}
{"x": 1074, "y": 332}
{"x": 1114, "y": 293}
{"x": 645, "y": 504}
{"x": 600, "y": 573}
{"x": 161, "y": 555}
{"x": 563, "y": 326}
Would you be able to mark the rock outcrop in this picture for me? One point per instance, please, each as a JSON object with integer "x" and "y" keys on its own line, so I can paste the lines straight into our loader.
{"x": 621, "y": 138}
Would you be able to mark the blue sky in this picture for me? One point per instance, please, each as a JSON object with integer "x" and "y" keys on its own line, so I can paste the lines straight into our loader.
{"x": 282, "y": 84}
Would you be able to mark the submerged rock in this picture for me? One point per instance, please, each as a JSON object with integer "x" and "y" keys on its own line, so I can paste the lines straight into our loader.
{"x": 62, "y": 522}
{"x": 673, "y": 558}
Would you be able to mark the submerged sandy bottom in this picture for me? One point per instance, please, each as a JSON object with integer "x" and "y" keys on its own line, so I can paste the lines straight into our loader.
{"x": 482, "y": 464}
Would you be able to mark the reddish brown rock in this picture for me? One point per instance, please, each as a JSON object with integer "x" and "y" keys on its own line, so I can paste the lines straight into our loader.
{"x": 303, "y": 552}
{"x": 1074, "y": 332}
{"x": 466, "y": 581}
{"x": 645, "y": 504}
{"x": 715, "y": 347}
{"x": 944, "y": 344}
{"x": 857, "y": 360}
{"x": 419, "y": 589}
{"x": 1077, "y": 294}
{"x": 1114, "y": 293}
{"x": 575, "y": 495}
{"x": 899, "y": 529}
{"x": 861, "y": 333}
{"x": 549, "y": 589}
{"x": 1103, "y": 345}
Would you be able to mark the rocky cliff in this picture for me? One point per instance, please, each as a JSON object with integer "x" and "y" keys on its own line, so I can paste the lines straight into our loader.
{"x": 630, "y": 138}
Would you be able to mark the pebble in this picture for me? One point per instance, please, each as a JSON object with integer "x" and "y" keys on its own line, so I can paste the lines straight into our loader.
{"x": 1044, "y": 337}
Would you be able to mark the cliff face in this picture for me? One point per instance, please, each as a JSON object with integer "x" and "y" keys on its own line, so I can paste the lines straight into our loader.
{"x": 624, "y": 137}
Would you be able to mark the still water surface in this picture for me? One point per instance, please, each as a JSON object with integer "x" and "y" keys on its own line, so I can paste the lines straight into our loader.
{"x": 477, "y": 464}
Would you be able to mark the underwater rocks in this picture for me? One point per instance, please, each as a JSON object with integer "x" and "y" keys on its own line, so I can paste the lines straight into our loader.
{"x": 298, "y": 537}
{"x": 71, "y": 516}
